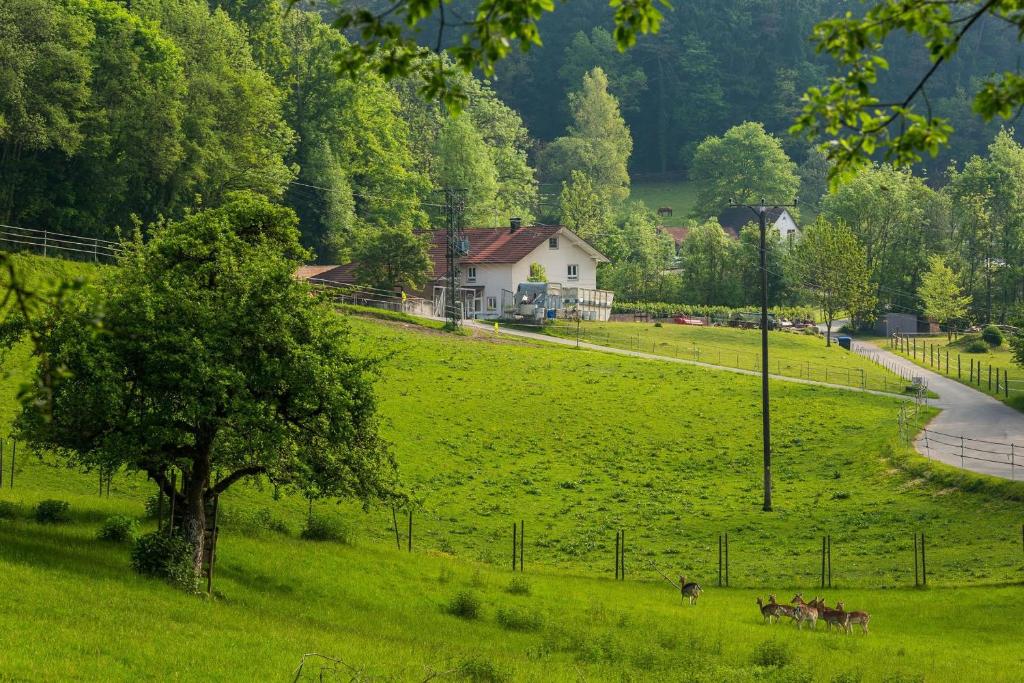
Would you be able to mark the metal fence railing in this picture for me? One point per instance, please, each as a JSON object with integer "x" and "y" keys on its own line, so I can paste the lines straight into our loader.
{"x": 49, "y": 243}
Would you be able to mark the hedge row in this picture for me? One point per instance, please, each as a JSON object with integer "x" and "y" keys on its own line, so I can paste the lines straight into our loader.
{"x": 661, "y": 309}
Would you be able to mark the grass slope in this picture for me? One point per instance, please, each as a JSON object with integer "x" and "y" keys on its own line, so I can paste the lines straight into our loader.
{"x": 577, "y": 444}
{"x": 679, "y": 195}
{"x": 790, "y": 354}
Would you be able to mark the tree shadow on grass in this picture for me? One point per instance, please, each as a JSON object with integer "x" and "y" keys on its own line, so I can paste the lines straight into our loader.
{"x": 54, "y": 548}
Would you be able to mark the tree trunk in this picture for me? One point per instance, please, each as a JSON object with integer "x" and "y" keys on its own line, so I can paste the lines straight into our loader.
{"x": 828, "y": 331}
{"x": 195, "y": 508}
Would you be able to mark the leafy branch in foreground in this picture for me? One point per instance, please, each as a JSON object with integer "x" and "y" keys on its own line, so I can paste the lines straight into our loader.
{"x": 853, "y": 123}
{"x": 383, "y": 41}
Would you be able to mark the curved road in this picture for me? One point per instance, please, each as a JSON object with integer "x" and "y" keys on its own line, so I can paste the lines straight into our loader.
{"x": 971, "y": 423}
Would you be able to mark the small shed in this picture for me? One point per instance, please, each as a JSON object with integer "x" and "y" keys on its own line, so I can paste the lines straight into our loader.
{"x": 891, "y": 323}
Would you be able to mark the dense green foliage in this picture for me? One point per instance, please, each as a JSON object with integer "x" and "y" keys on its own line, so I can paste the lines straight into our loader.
{"x": 213, "y": 364}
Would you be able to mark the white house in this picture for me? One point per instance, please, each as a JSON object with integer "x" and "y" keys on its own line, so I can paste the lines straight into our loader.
{"x": 498, "y": 262}
{"x": 735, "y": 217}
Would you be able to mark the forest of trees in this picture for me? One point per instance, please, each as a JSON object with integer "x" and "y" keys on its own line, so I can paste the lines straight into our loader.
{"x": 117, "y": 115}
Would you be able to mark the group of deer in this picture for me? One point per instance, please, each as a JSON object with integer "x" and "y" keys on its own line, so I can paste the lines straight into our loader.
{"x": 802, "y": 612}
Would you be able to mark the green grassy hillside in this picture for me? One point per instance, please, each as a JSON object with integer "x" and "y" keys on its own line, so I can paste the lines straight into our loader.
{"x": 679, "y": 195}
{"x": 791, "y": 354}
{"x": 577, "y": 444}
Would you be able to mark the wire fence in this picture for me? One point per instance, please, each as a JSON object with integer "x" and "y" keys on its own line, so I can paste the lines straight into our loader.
{"x": 49, "y": 243}
{"x": 990, "y": 378}
{"x": 888, "y": 377}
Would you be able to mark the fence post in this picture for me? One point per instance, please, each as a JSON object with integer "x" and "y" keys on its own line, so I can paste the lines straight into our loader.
{"x": 822, "y": 561}
{"x": 990, "y": 377}
{"x": 14, "y": 455}
{"x": 45, "y": 235}
{"x": 719, "y": 560}
{"x": 514, "y": 548}
{"x": 726, "y": 559}
{"x": 829, "y": 560}
{"x": 958, "y": 366}
{"x": 522, "y": 543}
{"x": 410, "y": 530}
{"x": 916, "y": 581}
{"x": 1006, "y": 383}
{"x": 394, "y": 521}
{"x": 616, "y": 555}
{"x": 947, "y": 361}
{"x": 924, "y": 564}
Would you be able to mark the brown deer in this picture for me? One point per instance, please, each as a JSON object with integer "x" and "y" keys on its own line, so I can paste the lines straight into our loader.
{"x": 832, "y": 617}
{"x": 804, "y": 612}
{"x": 690, "y": 590}
{"x": 772, "y": 609}
{"x": 861, "y": 618}
{"x": 784, "y": 610}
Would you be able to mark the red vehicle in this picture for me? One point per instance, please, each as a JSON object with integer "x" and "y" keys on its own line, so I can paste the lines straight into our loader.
{"x": 686, "y": 320}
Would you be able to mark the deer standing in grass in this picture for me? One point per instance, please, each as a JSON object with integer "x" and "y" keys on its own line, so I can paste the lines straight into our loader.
{"x": 832, "y": 617}
{"x": 804, "y": 612}
{"x": 861, "y": 618}
{"x": 690, "y": 590}
{"x": 769, "y": 610}
{"x": 785, "y": 610}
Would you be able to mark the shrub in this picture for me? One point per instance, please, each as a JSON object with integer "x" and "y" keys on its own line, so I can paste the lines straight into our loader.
{"x": 255, "y": 522}
{"x": 993, "y": 335}
{"x": 772, "y": 653}
{"x": 53, "y": 511}
{"x": 518, "y": 586}
{"x": 322, "y": 528}
{"x": 977, "y": 346}
{"x": 465, "y": 605}
{"x": 520, "y": 620}
{"x": 482, "y": 671}
{"x": 119, "y": 528}
{"x": 8, "y": 510}
{"x": 840, "y": 495}
{"x": 167, "y": 557}
{"x": 812, "y": 331}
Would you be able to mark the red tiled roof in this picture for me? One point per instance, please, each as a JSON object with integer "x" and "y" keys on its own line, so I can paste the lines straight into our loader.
{"x": 306, "y": 272}
{"x": 486, "y": 245}
{"x": 678, "y": 235}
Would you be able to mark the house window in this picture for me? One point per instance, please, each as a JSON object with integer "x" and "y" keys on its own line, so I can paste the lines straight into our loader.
{"x": 573, "y": 272}
{"x": 492, "y": 303}
{"x": 471, "y": 274}
{"x": 552, "y": 243}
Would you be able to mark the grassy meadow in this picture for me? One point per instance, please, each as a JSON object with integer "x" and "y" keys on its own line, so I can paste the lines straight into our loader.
{"x": 999, "y": 358}
{"x": 489, "y": 430}
{"x": 791, "y": 354}
{"x": 679, "y": 195}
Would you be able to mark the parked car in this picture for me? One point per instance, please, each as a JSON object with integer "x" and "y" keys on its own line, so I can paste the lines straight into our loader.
{"x": 687, "y": 320}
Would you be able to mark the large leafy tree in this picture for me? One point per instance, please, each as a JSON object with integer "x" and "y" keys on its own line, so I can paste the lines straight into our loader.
{"x": 708, "y": 260}
{"x": 856, "y": 121}
{"x": 941, "y": 294}
{"x": 584, "y": 211}
{"x": 597, "y": 142}
{"x": 393, "y": 257}
{"x": 745, "y": 165}
{"x": 987, "y": 196}
{"x": 899, "y": 220}
{"x": 830, "y": 264}
{"x": 213, "y": 363}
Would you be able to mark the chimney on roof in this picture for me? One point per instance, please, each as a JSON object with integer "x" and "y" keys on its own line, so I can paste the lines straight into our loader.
{"x": 515, "y": 223}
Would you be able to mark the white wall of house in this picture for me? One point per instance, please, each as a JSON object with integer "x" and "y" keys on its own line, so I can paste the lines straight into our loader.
{"x": 556, "y": 262}
{"x": 787, "y": 226}
{"x": 494, "y": 278}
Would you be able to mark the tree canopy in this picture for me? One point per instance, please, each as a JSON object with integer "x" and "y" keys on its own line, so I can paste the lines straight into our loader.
{"x": 212, "y": 362}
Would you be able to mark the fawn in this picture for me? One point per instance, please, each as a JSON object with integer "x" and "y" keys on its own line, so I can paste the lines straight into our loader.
{"x": 689, "y": 590}
{"x": 861, "y": 618}
{"x": 772, "y": 609}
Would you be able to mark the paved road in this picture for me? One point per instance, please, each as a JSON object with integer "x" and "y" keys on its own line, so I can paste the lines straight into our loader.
{"x": 668, "y": 359}
{"x": 987, "y": 426}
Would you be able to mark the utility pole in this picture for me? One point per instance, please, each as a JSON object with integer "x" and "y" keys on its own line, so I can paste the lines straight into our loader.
{"x": 457, "y": 246}
{"x": 762, "y": 210}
